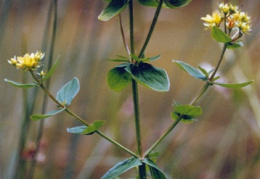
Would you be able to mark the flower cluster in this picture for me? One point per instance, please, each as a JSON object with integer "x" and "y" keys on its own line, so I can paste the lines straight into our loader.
{"x": 28, "y": 62}
{"x": 231, "y": 15}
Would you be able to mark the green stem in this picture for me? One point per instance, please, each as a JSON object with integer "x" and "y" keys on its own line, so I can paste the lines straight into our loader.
{"x": 79, "y": 118}
{"x": 202, "y": 92}
{"x": 131, "y": 26}
{"x": 162, "y": 137}
{"x": 137, "y": 116}
{"x": 141, "y": 168}
{"x": 155, "y": 18}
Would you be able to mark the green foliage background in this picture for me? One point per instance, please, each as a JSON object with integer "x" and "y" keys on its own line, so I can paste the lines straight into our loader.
{"x": 223, "y": 143}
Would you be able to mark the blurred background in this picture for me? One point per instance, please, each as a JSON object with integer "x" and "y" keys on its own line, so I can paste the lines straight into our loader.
{"x": 222, "y": 143}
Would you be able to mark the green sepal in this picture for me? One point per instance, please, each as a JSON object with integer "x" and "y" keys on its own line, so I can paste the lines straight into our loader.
{"x": 219, "y": 35}
{"x": 149, "y": 76}
{"x": 67, "y": 93}
{"x": 51, "y": 71}
{"x": 186, "y": 112}
{"x": 113, "y": 8}
{"x": 237, "y": 85}
{"x": 36, "y": 117}
{"x": 118, "y": 78}
{"x": 191, "y": 70}
{"x": 154, "y": 169}
{"x": 173, "y": 4}
{"x": 234, "y": 45}
{"x": 122, "y": 167}
{"x": 21, "y": 85}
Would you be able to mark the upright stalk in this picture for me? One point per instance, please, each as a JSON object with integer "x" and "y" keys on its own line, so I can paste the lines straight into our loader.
{"x": 155, "y": 18}
{"x": 141, "y": 168}
{"x": 201, "y": 93}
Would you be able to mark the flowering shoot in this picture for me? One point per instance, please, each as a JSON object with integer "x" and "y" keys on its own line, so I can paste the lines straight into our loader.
{"x": 232, "y": 18}
{"x": 28, "y": 62}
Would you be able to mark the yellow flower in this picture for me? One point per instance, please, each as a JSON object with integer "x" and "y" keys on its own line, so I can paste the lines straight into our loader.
{"x": 244, "y": 27}
{"x": 213, "y": 20}
{"x": 233, "y": 9}
{"x": 241, "y": 16}
{"x": 224, "y": 8}
{"x": 27, "y": 62}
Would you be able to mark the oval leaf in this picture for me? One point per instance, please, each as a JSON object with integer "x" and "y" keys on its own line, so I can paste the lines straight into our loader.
{"x": 173, "y": 4}
{"x": 36, "y": 117}
{"x": 238, "y": 85}
{"x": 234, "y": 45}
{"x": 68, "y": 92}
{"x": 152, "y": 3}
{"x": 150, "y": 76}
{"x": 50, "y": 72}
{"x": 118, "y": 78}
{"x": 219, "y": 35}
{"x": 154, "y": 169}
{"x": 186, "y": 112}
{"x": 93, "y": 127}
{"x": 76, "y": 130}
{"x": 122, "y": 167}
{"x": 191, "y": 70}
{"x": 21, "y": 85}
{"x": 113, "y": 8}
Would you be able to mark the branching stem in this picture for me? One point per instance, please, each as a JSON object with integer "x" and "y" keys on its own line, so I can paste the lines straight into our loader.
{"x": 79, "y": 118}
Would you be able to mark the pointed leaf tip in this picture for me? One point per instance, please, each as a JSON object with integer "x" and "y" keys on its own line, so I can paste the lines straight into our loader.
{"x": 113, "y": 8}
{"x": 20, "y": 85}
{"x": 190, "y": 70}
{"x": 122, "y": 167}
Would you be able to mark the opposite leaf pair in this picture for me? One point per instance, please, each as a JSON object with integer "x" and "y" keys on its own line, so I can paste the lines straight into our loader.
{"x": 116, "y": 6}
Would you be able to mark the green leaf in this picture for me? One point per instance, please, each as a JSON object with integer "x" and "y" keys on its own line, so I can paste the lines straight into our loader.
{"x": 21, "y": 85}
{"x": 113, "y": 8}
{"x": 117, "y": 60}
{"x": 149, "y": 76}
{"x": 219, "y": 35}
{"x": 187, "y": 112}
{"x": 152, "y": 3}
{"x": 154, "y": 58}
{"x": 122, "y": 167}
{"x": 36, "y": 117}
{"x": 50, "y": 72}
{"x": 86, "y": 130}
{"x": 154, "y": 169}
{"x": 93, "y": 127}
{"x": 76, "y": 130}
{"x": 235, "y": 45}
{"x": 173, "y": 4}
{"x": 118, "y": 78}
{"x": 238, "y": 85}
{"x": 203, "y": 71}
{"x": 68, "y": 92}
{"x": 191, "y": 70}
